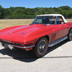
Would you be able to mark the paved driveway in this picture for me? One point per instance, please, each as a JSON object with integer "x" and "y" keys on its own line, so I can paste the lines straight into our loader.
{"x": 57, "y": 59}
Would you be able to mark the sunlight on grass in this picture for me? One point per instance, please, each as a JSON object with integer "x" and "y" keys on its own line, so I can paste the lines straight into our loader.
{"x": 13, "y": 22}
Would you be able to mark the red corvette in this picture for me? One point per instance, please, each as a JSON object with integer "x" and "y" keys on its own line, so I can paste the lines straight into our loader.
{"x": 45, "y": 31}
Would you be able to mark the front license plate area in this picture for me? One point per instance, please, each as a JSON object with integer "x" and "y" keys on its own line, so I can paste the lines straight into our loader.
{"x": 0, "y": 43}
{"x": 7, "y": 46}
{"x": 10, "y": 47}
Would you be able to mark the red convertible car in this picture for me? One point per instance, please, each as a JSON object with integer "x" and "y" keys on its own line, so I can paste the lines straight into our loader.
{"x": 45, "y": 31}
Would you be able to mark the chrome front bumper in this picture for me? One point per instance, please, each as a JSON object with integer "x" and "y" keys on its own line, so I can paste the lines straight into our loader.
{"x": 22, "y": 46}
{"x": 9, "y": 45}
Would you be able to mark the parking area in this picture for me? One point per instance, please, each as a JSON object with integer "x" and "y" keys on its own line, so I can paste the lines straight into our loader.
{"x": 57, "y": 59}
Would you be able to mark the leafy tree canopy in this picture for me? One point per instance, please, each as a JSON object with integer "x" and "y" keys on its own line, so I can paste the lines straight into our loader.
{"x": 23, "y": 13}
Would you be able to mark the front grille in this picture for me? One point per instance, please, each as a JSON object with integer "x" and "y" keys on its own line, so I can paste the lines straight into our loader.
{"x": 5, "y": 42}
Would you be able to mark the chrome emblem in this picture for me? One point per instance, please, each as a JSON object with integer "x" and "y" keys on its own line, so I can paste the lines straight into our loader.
{"x": 22, "y": 33}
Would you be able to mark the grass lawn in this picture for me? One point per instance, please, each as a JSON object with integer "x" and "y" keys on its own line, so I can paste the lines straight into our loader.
{"x": 13, "y": 22}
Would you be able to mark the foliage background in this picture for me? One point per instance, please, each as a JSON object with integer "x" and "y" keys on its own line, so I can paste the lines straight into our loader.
{"x": 30, "y": 13}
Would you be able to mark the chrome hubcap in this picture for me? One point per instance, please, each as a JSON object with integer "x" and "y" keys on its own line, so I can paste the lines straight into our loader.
{"x": 42, "y": 46}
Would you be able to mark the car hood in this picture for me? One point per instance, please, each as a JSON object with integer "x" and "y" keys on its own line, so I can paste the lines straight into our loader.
{"x": 19, "y": 32}
{"x": 22, "y": 29}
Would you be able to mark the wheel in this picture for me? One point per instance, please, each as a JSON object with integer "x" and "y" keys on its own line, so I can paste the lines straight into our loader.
{"x": 41, "y": 47}
{"x": 70, "y": 35}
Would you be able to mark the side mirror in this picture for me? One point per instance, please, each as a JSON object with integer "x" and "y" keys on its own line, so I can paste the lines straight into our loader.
{"x": 62, "y": 22}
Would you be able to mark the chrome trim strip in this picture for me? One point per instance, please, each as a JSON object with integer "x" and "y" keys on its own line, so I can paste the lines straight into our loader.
{"x": 57, "y": 41}
{"x": 19, "y": 46}
{"x": 22, "y": 47}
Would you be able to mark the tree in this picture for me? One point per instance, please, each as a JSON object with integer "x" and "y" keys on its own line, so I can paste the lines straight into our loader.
{"x": 22, "y": 12}
{"x": 1, "y": 12}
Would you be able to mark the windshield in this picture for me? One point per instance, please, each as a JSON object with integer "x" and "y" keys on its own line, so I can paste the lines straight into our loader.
{"x": 44, "y": 20}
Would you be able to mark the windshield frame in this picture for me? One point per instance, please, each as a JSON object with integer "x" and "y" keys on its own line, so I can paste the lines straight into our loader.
{"x": 44, "y": 23}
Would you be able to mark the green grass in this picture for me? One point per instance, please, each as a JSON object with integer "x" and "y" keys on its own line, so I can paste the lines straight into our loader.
{"x": 13, "y": 22}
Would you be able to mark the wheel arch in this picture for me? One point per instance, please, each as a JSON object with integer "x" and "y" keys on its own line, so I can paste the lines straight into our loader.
{"x": 35, "y": 49}
{"x": 46, "y": 36}
{"x": 70, "y": 29}
{"x": 69, "y": 35}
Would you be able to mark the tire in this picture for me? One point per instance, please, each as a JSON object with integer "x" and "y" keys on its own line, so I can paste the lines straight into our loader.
{"x": 41, "y": 47}
{"x": 70, "y": 35}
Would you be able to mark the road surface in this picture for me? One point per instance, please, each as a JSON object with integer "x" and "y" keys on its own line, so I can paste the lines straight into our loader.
{"x": 57, "y": 59}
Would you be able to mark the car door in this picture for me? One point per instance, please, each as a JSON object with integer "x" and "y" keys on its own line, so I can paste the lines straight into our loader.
{"x": 53, "y": 29}
{"x": 62, "y": 28}
{"x": 54, "y": 33}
